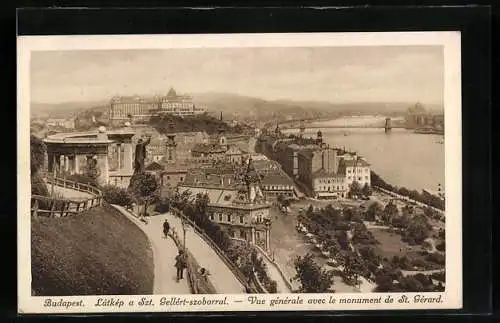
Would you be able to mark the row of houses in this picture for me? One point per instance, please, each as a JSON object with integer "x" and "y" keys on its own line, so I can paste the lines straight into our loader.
{"x": 325, "y": 172}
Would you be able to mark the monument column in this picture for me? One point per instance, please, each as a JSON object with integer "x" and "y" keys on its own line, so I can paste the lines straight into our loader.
{"x": 66, "y": 163}
{"x": 119, "y": 155}
{"x": 104, "y": 168}
{"x": 253, "y": 235}
{"x": 127, "y": 157}
{"x": 77, "y": 164}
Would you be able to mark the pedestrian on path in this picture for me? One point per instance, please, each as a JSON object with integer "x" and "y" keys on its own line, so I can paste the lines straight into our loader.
{"x": 166, "y": 228}
{"x": 180, "y": 264}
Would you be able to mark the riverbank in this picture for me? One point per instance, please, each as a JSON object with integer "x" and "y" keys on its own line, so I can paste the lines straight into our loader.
{"x": 403, "y": 158}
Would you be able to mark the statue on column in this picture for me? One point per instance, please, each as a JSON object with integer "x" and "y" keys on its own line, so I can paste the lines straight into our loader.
{"x": 140, "y": 155}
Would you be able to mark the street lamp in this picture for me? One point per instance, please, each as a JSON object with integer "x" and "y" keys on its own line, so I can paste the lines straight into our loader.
{"x": 184, "y": 227}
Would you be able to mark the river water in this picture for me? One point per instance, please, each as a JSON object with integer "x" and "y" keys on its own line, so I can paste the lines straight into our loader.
{"x": 402, "y": 158}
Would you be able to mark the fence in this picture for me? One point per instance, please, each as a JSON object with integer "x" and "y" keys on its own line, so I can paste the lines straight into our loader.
{"x": 57, "y": 207}
{"x": 234, "y": 269}
{"x": 197, "y": 283}
{"x": 66, "y": 183}
{"x": 278, "y": 268}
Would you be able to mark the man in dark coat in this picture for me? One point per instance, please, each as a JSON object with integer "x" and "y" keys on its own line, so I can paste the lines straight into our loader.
{"x": 166, "y": 227}
{"x": 180, "y": 264}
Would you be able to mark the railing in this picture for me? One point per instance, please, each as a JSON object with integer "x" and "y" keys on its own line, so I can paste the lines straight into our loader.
{"x": 278, "y": 268}
{"x": 234, "y": 269}
{"x": 60, "y": 207}
{"x": 197, "y": 283}
{"x": 66, "y": 183}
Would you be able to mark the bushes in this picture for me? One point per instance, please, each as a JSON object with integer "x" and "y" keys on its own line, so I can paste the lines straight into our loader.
{"x": 439, "y": 276}
{"x": 441, "y": 246}
{"x": 436, "y": 258}
{"x": 117, "y": 195}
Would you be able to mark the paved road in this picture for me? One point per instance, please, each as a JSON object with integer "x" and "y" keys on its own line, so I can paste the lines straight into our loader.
{"x": 221, "y": 276}
{"x": 164, "y": 252}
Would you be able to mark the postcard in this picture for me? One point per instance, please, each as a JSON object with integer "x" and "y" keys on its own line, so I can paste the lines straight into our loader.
{"x": 242, "y": 172}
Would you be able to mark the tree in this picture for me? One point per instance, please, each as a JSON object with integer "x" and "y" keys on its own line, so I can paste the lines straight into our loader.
{"x": 418, "y": 230}
{"x": 390, "y": 212}
{"x": 312, "y": 278}
{"x": 367, "y": 190}
{"x": 353, "y": 267}
{"x": 37, "y": 157}
{"x": 354, "y": 189}
{"x": 37, "y": 153}
{"x": 143, "y": 187}
{"x": 374, "y": 211}
{"x": 384, "y": 283}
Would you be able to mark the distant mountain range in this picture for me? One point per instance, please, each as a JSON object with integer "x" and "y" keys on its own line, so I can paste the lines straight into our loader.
{"x": 63, "y": 110}
{"x": 244, "y": 107}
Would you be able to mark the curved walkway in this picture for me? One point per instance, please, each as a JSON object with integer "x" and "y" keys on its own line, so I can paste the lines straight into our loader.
{"x": 164, "y": 252}
{"x": 275, "y": 274}
{"x": 70, "y": 193}
{"x": 221, "y": 276}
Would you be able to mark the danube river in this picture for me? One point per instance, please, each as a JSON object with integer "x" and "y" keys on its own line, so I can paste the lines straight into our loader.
{"x": 402, "y": 158}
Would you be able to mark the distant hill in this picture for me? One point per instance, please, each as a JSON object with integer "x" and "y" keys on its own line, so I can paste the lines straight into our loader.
{"x": 236, "y": 106}
{"x": 248, "y": 107}
{"x": 63, "y": 110}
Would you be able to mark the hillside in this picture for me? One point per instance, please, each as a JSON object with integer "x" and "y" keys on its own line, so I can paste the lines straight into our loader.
{"x": 63, "y": 110}
{"x": 204, "y": 123}
{"x": 258, "y": 109}
{"x": 99, "y": 252}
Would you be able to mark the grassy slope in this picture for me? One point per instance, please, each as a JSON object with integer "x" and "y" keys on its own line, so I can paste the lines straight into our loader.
{"x": 96, "y": 253}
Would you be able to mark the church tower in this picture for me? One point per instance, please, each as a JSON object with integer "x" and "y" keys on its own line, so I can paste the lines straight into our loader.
{"x": 171, "y": 148}
{"x": 252, "y": 182}
{"x": 221, "y": 137}
{"x": 171, "y": 145}
{"x": 319, "y": 137}
{"x": 277, "y": 131}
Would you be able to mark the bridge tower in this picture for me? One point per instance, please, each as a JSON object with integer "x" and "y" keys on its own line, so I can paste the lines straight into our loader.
{"x": 388, "y": 125}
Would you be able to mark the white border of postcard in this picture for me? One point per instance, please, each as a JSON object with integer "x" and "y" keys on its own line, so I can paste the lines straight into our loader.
{"x": 450, "y": 299}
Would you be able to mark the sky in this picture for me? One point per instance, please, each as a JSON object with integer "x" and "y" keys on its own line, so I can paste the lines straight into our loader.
{"x": 333, "y": 74}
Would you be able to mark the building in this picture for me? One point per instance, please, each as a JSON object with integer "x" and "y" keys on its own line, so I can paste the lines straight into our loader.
{"x": 179, "y": 105}
{"x": 140, "y": 109}
{"x": 236, "y": 202}
{"x": 330, "y": 172}
{"x": 68, "y": 123}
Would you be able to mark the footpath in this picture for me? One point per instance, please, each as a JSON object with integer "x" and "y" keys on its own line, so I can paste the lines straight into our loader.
{"x": 69, "y": 193}
{"x": 221, "y": 276}
{"x": 164, "y": 252}
{"x": 282, "y": 286}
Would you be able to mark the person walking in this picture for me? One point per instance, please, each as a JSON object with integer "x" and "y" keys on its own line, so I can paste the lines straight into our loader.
{"x": 166, "y": 228}
{"x": 180, "y": 264}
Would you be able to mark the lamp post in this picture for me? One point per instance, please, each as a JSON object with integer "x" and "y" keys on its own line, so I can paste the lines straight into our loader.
{"x": 184, "y": 227}
{"x": 267, "y": 222}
